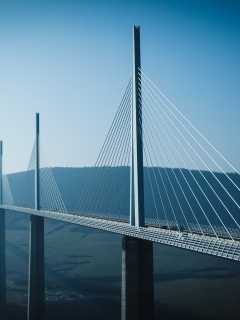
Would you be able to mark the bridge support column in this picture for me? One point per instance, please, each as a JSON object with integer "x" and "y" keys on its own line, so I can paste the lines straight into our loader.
{"x": 36, "y": 275}
{"x": 137, "y": 279}
{"x": 36, "y": 280}
{"x": 2, "y": 266}
{"x": 2, "y": 248}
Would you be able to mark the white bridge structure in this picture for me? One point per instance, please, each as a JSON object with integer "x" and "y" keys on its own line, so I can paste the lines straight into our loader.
{"x": 157, "y": 179}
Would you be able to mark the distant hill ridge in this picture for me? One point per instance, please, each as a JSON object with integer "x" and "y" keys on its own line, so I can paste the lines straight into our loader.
{"x": 71, "y": 183}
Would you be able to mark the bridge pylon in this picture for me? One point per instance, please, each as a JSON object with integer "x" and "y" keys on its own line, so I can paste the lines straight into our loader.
{"x": 137, "y": 254}
{"x": 36, "y": 276}
{"x": 2, "y": 248}
{"x": 136, "y": 179}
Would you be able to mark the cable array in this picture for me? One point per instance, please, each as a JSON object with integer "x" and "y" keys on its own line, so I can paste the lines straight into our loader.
{"x": 7, "y": 197}
{"x": 50, "y": 197}
{"x": 185, "y": 183}
{"x": 26, "y": 194}
{"x": 108, "y": 187}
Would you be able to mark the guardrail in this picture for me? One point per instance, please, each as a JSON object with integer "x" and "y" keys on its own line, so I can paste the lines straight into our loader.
{"x": 205, "y": 244}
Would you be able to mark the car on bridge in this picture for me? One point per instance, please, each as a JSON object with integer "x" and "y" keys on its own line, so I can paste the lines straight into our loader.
{"x": 182, "y": 235}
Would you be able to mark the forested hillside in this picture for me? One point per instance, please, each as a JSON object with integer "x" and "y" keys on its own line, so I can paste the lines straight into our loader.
{"x": 169, "y": 193}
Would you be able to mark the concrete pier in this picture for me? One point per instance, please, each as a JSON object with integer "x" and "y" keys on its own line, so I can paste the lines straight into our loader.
{"x": 36, "y": 274}
{"x": 137, "y": 279}
{"x": 36, "y": 281}
{"x": 2, "y": 266}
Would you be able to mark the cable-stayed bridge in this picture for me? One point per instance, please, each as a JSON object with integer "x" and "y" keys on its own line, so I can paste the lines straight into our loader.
{"x": 182, "y": 193}
{"x": 156, "y": 179}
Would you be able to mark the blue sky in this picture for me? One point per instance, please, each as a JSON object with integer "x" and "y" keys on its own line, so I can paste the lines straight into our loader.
{"x": 71, "y": 61}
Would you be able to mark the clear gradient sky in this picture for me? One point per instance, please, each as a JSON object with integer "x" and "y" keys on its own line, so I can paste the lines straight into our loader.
{"x": 71, "y": 61}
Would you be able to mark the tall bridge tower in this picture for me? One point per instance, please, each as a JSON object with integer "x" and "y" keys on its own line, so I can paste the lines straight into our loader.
{"x": 2, "y": 248}
{"x": 137, "y": 254}
{"x": 36, "y": 277}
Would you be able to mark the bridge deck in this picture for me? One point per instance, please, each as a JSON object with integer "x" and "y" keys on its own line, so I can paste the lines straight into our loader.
{"x": 221, "y": 247}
